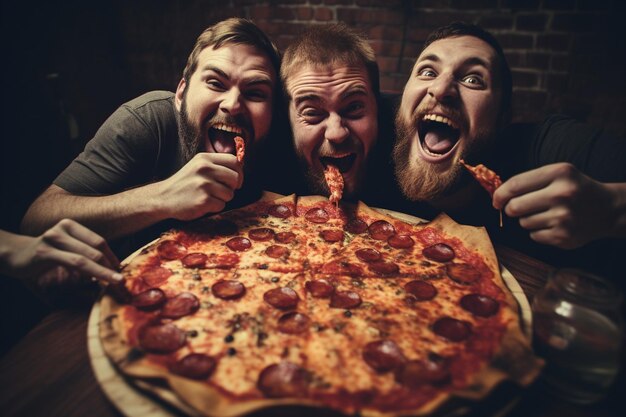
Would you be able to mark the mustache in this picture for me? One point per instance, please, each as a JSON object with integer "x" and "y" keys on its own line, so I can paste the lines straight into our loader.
{"x": 432, "y": 106}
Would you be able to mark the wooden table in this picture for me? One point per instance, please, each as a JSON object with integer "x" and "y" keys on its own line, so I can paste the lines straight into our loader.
{"x": 48, "y": 373}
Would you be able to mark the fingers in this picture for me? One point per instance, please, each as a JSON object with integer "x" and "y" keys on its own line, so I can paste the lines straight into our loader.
{"x": 92, "y": 240}
{"x": 74, "y": 246}
{"x": 530, "y": 181}
{"x": 222, "y": 168}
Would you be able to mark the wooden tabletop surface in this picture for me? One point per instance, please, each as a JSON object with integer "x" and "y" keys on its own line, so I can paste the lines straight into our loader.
{"x": 48, "y": 373}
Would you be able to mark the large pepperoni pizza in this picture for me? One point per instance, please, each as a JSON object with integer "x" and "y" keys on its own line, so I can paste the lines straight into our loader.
{"x": 300, "y": 301}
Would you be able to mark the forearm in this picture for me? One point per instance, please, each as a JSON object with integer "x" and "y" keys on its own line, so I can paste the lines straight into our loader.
{"x": 110, "y": 216}
{"x": 9, "y": 244}
{"x": 618, "y": 212}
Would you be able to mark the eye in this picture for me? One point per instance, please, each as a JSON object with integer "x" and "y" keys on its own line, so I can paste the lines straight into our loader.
{"x": 354, "y": 110}
{"x": 258, "y": 95}
{"x": 474, "y": 81}
{"x": 215, "y": 84}
{"x": 312, "y": 115}
{"x": 427, "y": 73}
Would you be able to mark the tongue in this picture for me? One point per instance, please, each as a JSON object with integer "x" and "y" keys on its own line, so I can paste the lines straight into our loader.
{"x": 222, "y": 142}
{"x": 437, "y": 142}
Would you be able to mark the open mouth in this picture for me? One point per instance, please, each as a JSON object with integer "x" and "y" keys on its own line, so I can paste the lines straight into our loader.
{"x": 438, "y": 134}
{"x": 343, "y": 163}
{"x": 222, "y": 137}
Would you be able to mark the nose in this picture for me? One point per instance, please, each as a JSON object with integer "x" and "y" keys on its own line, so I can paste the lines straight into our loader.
{"x": 335, "y": 130}
{"x": 231, "y": 102}
{"x": 443, "y": 88}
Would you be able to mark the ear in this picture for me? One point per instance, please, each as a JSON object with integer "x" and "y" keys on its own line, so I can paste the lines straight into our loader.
{"x": 180, "y": 91}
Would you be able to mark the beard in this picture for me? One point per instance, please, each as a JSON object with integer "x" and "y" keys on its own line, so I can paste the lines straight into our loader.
{"x": 422, "y": 181}
{"x": 191, "y": 137}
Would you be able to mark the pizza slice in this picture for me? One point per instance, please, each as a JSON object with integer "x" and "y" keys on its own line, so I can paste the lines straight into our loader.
{"x": 488, "y": 179}
{"x": 335, "y": 183}
{"x": 240, "y": 148}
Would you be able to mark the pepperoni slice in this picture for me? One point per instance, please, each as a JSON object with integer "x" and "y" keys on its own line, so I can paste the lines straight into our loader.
{"x": 421, "y": 290}
{"x": 368, "y": 255}
{"x": 149, "y": 299}
{"x": 480, "y": 305}
{"x": 284, "y": 237}
{"x": 384, "y": 268}
{"x": 355, "y": 226}
{"x": 342, "y": 268}
{"x": 194, "y": 366}
{"x": 283, "y": 298}
{"x": 277, "y": 251}
{"x": 228, "y": 289}
{"x": 239, "y": 244}
{"x": 345, "y": 299}
{"x": 284, "y": 379}
{"x": 194, "y": 260}
{"x": 332, "y": 235}
{"x": 452, "y": 329}
{"x": 293, "y": 322}
{"x": 161, "y": 338}
{"x": 319, "y": 288}
{"x": 462, "y": 273}
{"x": 381, "y": 230}
{"x": 317, "y": 215}
{"x": 439, "y": 252}
{"x": 279, "y": 210}
{"x": 383, "y": 355}
{"x": 261, "y": 234}
{"x": 401, "y": 241}
{"x": 181, "y": 305}
{"x": 156, "y": 276}
{"x": 171, "y": 250}
{"x": 434, "y": 370}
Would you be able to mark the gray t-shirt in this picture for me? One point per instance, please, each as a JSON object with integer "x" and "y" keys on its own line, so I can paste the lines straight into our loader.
{"x": 137, "y": 144}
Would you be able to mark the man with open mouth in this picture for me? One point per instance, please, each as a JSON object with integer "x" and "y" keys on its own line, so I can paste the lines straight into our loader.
{"x": 165, "y": 156}
{"x": 563, "y": 184}
{"x": 330, "y": 78}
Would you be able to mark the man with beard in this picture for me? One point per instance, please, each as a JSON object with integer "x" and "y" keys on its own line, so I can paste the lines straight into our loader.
{"x": 564, "y": 182}
{"x": 166, "y": 156}
{"x": 330, "y": 79}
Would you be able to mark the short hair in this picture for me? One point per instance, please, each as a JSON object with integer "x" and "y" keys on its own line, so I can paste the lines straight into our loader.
{"x": 236, "y": 31}
{"x": 327, "y": 44}
{"x": 457, "y": 29}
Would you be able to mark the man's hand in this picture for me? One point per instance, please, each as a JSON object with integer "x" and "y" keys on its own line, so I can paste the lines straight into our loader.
{"x": 204, "y": 185}
{"x": 62, "y": 255}
{"x": 561, "y": 206}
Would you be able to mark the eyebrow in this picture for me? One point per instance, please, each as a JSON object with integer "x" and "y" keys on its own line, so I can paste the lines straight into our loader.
{"x": 248, "y": 81}
{"x": 468, "y": 62}
{"x": 352, "y": 91}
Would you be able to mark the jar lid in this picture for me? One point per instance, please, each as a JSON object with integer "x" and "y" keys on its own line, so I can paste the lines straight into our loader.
{"x": 588, "y": 287}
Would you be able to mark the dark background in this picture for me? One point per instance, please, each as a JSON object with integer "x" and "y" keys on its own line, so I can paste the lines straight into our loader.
{"x": 67, "y": 64}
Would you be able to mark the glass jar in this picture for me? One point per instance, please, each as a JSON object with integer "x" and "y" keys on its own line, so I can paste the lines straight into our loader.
{"x": 578, "y": 331}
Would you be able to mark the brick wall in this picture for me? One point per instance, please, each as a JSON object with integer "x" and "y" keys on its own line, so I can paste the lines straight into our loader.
{"x": 566, "y": 55}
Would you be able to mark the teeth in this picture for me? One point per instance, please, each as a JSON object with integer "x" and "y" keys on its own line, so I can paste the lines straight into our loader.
{"x": 440, "y": 119}
{"x": 227, "y": 128}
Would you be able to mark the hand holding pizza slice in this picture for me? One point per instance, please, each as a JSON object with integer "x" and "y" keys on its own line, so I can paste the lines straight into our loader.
{"x": 488, "y": 179}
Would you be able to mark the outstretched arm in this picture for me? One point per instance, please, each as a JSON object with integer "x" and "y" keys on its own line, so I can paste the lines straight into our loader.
{"x": 563, "y": 207}
{"x": 73, "y": 248}
{"x": 203, "y": 185}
